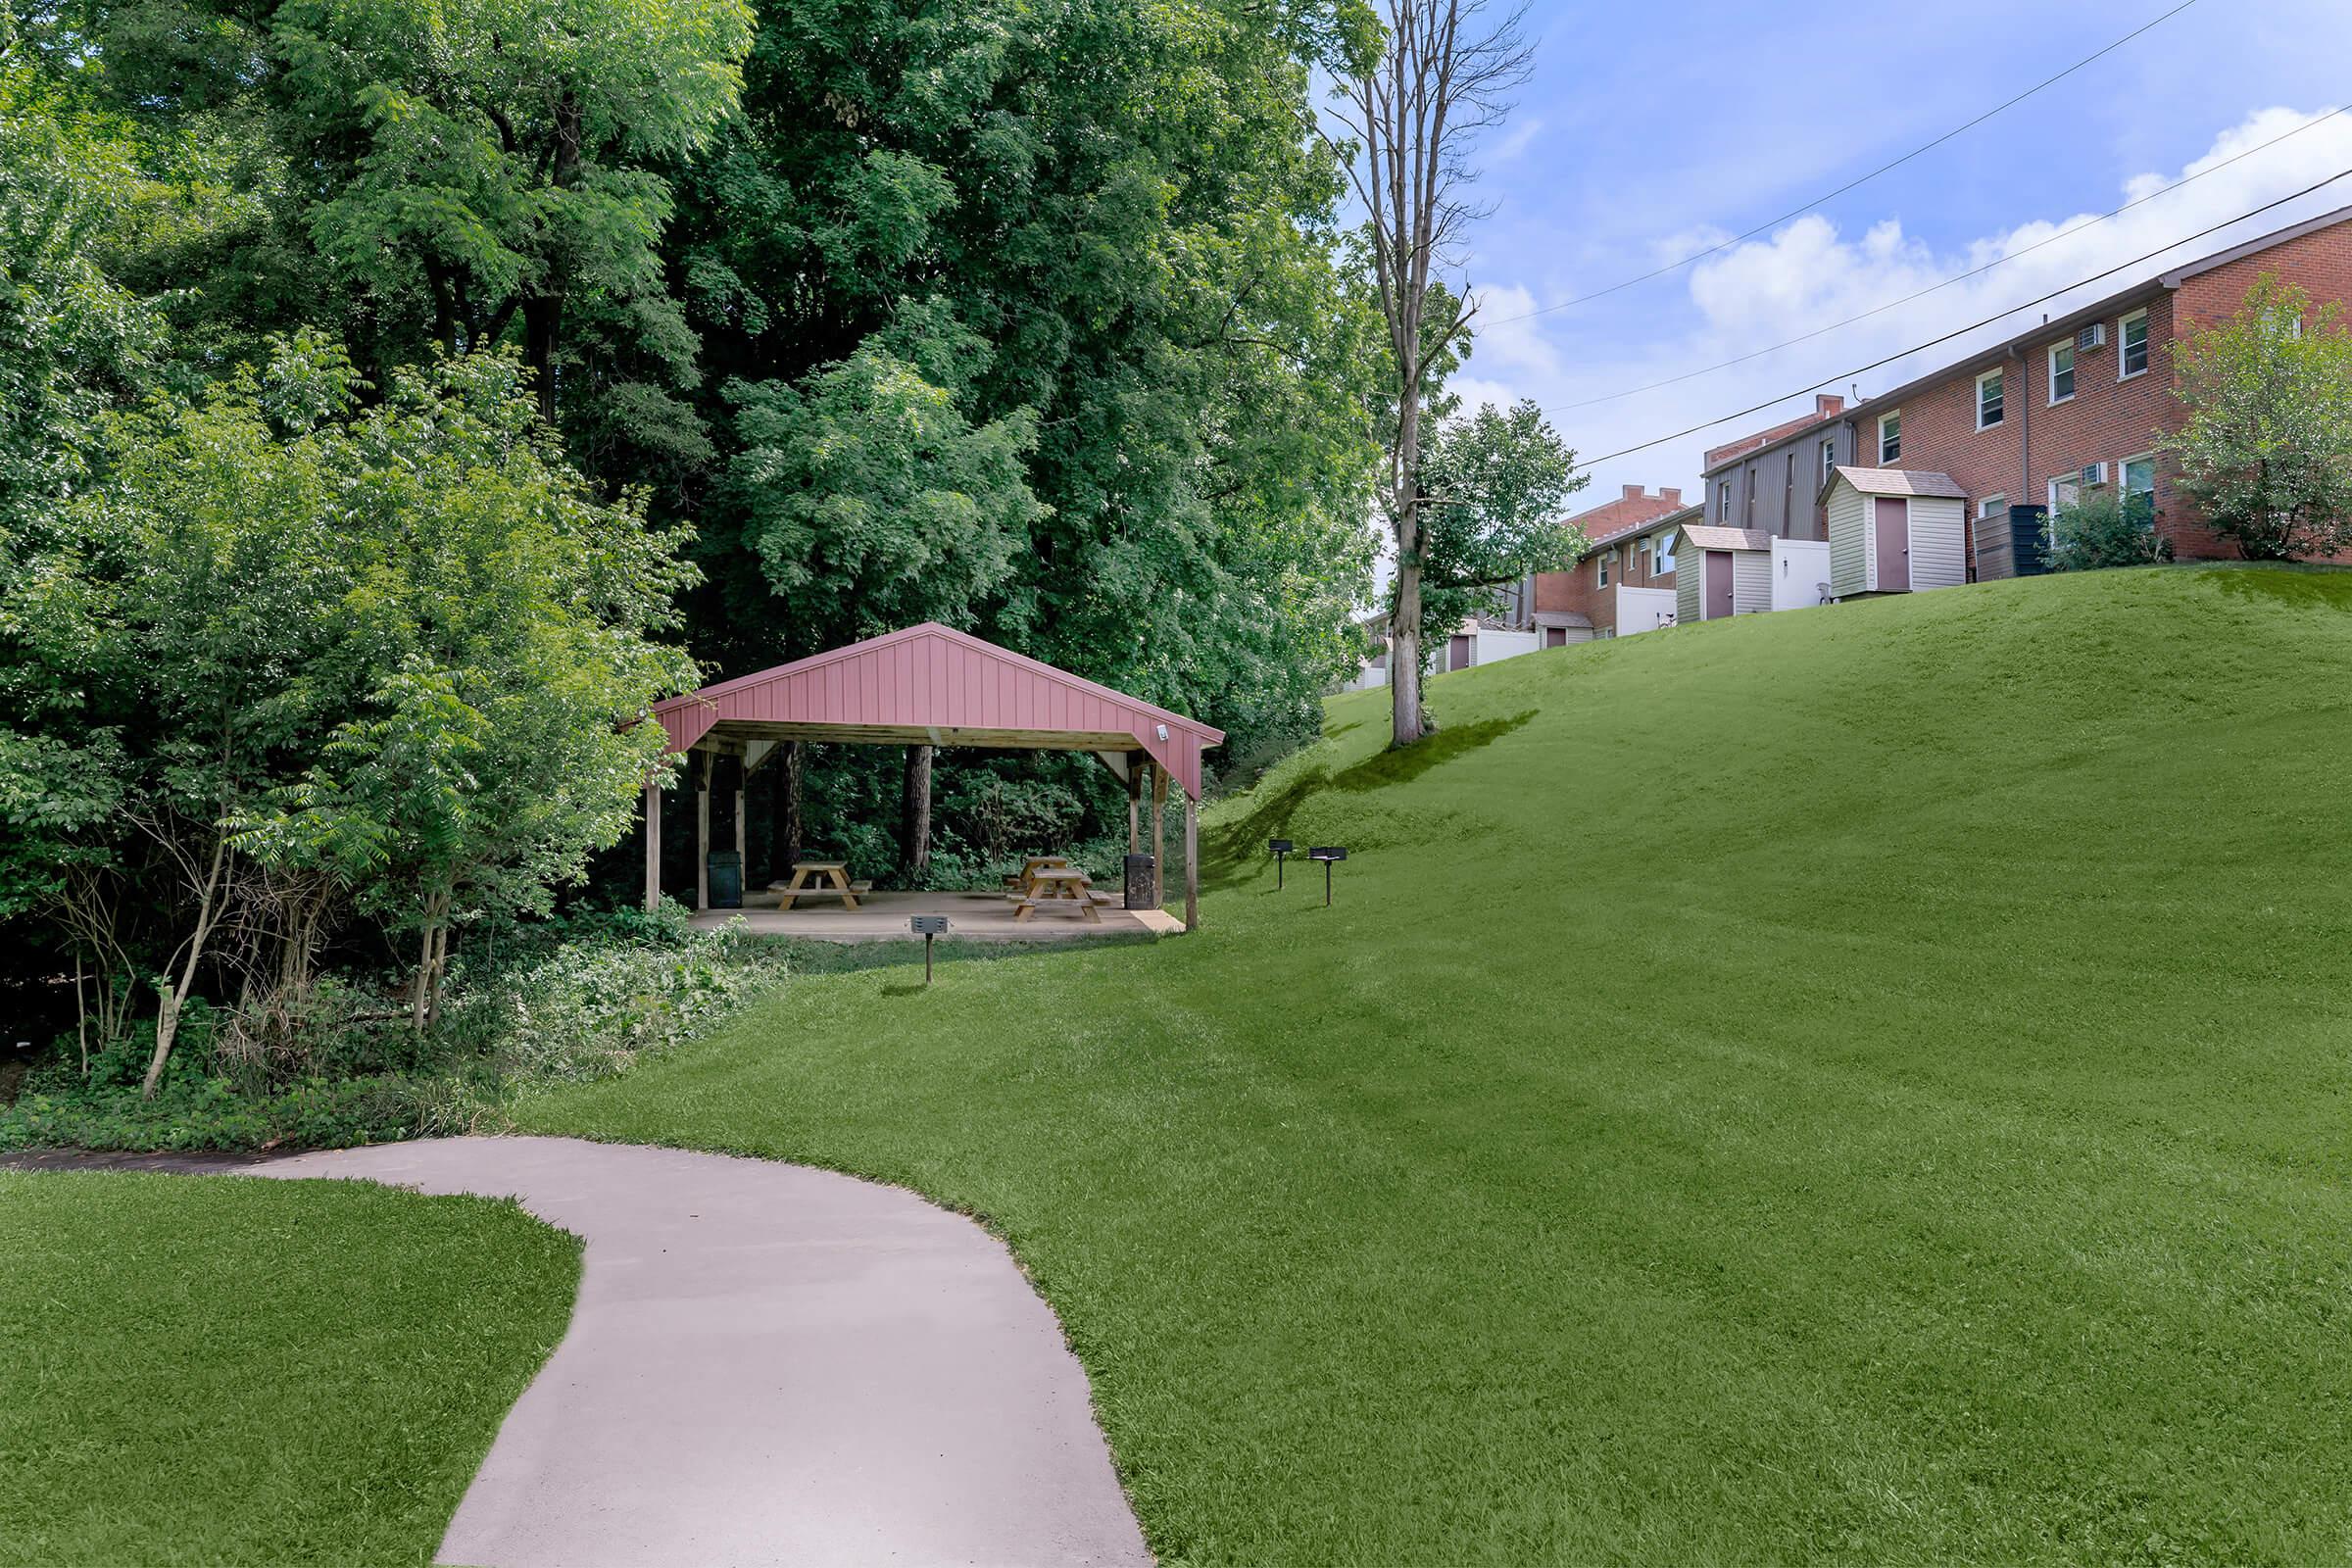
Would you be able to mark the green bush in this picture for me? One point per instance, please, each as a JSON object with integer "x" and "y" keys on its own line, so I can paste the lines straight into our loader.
{"x": 2103, "y": 530}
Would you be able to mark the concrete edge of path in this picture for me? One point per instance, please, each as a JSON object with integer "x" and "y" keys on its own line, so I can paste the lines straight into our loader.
{"x": 766, "y": 1363}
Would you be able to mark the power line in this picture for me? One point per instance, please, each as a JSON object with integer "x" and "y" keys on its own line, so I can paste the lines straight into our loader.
{"x": 1958, "y": 278}
{"x": 1851, "y": 184}
{"x": 1902, "y": 354}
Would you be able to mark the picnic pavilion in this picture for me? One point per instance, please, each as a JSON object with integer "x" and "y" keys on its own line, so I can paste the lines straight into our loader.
{"x": 931, "y": 685}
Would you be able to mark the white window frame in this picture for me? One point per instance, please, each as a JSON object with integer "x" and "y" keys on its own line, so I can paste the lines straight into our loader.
{"x": 1996, "y": 373}
{"x": 1829, "y": 458}
{"x": 2074, "y": 372}
{"x": 2122, "y": 482}
{"x": 2072, "y": 483}
{"x": 2123, "y": 346}
{"x": 1993, "y": 506}
{"x": 1661, "y": 555}
{"x": 1896, "y": 455}
{"x": 1723, "y": 501}
{"x": 1601, "y": 561}
{"x": 1642, "y": 556}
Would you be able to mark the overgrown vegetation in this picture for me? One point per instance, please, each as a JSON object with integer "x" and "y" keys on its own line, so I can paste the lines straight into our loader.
{"x": 556, "y": 1002}
{"x": 2100, "y": 529}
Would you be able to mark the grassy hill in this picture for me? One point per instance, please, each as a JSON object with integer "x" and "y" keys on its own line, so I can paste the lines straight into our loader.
{"x": 1870, "y": 1085}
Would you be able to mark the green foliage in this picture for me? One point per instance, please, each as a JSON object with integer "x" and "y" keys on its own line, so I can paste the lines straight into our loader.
{"x": 870, "y": 503}
{"x": 1493, "y": 493}
{"x": 2103, "y": 530}
{"x": 2266, "y": 451}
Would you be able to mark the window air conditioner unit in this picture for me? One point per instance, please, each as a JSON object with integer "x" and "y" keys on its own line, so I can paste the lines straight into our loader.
{"x": 2095, "y": 474}
{"x": 2092, "y": 337}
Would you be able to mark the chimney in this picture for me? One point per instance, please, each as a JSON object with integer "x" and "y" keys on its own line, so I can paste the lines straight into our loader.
{"x": 1632, "y": 492}
{"x": 1673, "y": 498}
{"x": 1826, "y": 404}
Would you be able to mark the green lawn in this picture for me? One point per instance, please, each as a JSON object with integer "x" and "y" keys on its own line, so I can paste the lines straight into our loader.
{"x": 224, "y": 1370}
{"x": 1870, "y": 1085}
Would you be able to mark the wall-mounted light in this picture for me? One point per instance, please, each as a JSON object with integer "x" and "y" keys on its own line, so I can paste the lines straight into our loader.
{"x": 1160, "y": 730}
{"x": 1327, "y": 853}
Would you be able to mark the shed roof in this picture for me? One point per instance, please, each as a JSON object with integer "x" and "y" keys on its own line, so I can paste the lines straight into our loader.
{"x": 933, "y": 684}
{"x": 1900, "y": 482}
{"x": 1706, "y": 536}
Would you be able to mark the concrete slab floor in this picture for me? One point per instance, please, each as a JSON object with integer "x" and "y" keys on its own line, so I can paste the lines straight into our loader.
{"x": 772, "y": 1364}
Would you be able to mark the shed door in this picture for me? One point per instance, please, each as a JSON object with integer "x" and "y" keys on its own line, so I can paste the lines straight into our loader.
{"x": 1457, "y": 652}
{"x": 1895, "y": 543}
{"x": 1719, "y": 585}
{"x": 1555, "y": 636}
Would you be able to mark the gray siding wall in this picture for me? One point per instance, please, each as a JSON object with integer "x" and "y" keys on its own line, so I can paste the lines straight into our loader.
{"x": 1850, "y": 533}
{"x": 1752, "y": 581}
{"x": 1686, "y": 575}
{"x": 1765, "y": 476}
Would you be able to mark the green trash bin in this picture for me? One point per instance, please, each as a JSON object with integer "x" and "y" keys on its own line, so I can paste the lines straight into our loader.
{"x": 726, "y": 879}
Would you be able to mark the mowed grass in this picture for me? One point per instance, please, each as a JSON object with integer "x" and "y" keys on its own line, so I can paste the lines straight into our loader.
{"x": 233, "y": 1370}
{"x": 1868, "y": 1085}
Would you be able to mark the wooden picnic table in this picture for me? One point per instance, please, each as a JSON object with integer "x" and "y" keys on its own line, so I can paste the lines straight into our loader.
{"x": 1063, "y": 886}
{"x": 822, "y": 879}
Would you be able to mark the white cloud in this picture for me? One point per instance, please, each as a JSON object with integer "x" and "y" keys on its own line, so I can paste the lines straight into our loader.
{"x": 1515, "y": 141}
{"x": 1811, "y": 273}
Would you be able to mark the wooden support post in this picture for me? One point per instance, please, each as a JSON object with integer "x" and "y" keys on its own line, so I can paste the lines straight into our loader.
{"x": 743, "y": 838}
{"x": 653, "y": 847}
{"x": 1192, "y": 862}
{"x": 701, "y": 830}
{"x": 1160, "y": 799}
{"x": 1135, "y": 803}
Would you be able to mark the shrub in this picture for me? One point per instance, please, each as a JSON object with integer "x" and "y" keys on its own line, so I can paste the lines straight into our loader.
{"x": 2102, "y": 529}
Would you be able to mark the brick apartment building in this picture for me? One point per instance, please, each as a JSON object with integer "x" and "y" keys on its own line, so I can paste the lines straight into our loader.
{"x": 2080, "y": 401}
{"x": 1632, "y": 546}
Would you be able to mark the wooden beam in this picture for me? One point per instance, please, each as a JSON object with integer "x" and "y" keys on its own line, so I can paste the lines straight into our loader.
{"x": 702, "y": 832}
{"x": 757, "y": 752}
{"x": 743, "y": 797}
{"x": 653, "y": 847}
{"x": 1192, "y": 863}
{"x": 1135, "y": 803}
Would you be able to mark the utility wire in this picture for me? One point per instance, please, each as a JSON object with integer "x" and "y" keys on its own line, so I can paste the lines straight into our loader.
{"x": 1958, "y": 278}
{"x": 1902, "y": 354}
{"x": 1851, "y": 184}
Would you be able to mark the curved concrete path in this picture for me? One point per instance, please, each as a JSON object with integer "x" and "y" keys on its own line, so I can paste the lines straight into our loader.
{"x": 772, "y": 1364}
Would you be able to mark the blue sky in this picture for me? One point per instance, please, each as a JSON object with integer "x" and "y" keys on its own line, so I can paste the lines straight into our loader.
{"x": 1652, "y": 129}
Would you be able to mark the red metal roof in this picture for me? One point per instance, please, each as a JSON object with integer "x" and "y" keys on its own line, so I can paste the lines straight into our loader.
{"x": 934, "y": 682}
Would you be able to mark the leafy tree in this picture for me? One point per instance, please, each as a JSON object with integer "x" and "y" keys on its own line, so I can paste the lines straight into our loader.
{"x": 2266, "y": 453}
{"x": 1413, "y": 95}
{"x": 2103, "y": 530}
{"x": 1493, "y": 491}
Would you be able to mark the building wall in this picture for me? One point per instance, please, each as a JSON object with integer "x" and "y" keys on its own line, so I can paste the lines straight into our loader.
{"x": 1575, "y": 590}
{"x": 1764, "y": 494}
{"x": 1938, "y": 543}
{"x": 1686, "y": 607}
{"x": 1800, "y": 568}
{"x": 2109, "y": 419}
{"x": 1752, "y": 582}
{"x": 1850, "y": 514}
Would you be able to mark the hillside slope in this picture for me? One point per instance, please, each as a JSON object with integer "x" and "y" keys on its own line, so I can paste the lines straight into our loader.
{"x": 1863, "y": 1085}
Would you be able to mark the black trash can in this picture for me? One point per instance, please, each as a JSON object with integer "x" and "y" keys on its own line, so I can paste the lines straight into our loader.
{"x": 726, "y": 880}
{"x": 1140, "y": 877}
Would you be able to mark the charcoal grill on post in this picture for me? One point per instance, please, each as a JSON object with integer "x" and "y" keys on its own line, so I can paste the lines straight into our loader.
{"x": 1280, "y": 848}
{"x": 1327, "y": 854}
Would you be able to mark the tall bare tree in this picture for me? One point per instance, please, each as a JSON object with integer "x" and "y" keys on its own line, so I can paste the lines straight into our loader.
{"x": 1404, "y": 118}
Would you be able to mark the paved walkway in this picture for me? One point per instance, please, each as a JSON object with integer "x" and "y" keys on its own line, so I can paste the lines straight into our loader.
{"x": 772, "y": 1364}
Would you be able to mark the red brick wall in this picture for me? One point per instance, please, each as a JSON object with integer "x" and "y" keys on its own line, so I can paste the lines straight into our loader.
{"x": 1573, "y": 590}
{"x": 2107, "y": 420}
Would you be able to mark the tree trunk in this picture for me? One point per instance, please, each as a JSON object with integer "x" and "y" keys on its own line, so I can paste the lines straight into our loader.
{"x": 542, "y": 320}
{"x": 785, "y": 844}
{"x": 914, "y": 822}
{"x": 1405, "y": 723}
{"x": 168, "y": 1009}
